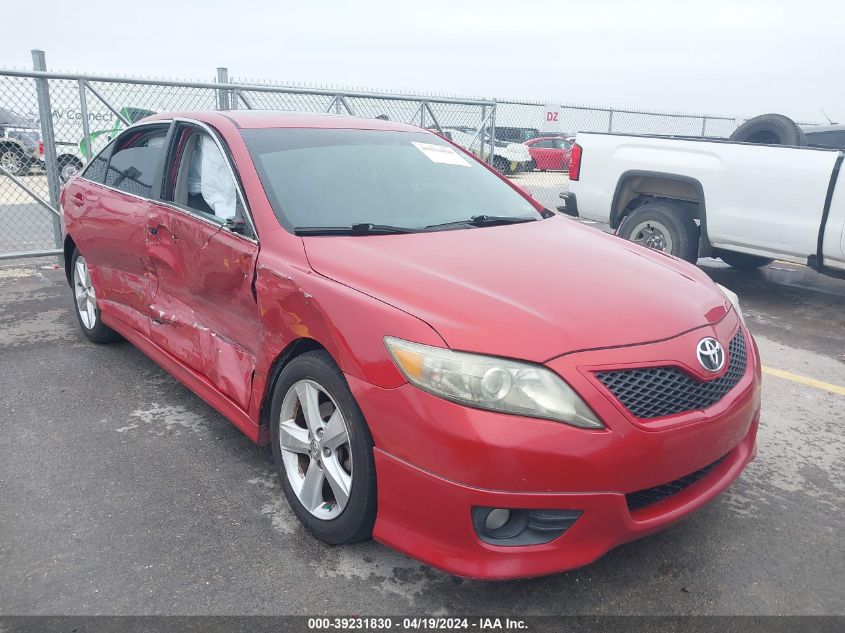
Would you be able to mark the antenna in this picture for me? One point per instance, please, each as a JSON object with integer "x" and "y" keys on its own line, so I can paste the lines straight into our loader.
{"x": 829, "y": 120}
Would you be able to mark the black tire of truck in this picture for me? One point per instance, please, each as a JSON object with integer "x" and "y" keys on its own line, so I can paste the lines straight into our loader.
{"x": 769, "y": 129}
{"x": 742, "y": 261}
{"x": 677, "y": 221}
{"x": 501, "y": 165}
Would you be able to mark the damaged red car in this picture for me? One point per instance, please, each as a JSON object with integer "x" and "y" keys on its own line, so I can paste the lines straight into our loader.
{"x": 438, "y": 362}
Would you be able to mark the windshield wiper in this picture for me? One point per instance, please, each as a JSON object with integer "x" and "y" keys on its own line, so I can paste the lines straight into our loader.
{"x": 482, "y": 220}
{"x": 363, "y": 228}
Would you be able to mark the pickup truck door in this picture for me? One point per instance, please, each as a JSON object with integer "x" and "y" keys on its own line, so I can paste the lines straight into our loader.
{"x": 833, "y": 245}
{"x": 767, "y": 199}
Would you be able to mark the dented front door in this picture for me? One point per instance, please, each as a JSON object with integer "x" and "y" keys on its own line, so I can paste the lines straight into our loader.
{"x": 204, "y": 311}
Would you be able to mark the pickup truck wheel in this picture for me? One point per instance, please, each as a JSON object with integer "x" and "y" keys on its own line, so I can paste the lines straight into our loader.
{"x": 68, "y": 167}
{"x": 12, "y": 160}
{"x": 501, "y": 165}
{"x": 663, "y": 226}
{"x": 743, "y": 261}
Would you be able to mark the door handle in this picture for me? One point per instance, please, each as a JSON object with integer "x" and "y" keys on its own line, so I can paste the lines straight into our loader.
{"x": 155, "y": 230}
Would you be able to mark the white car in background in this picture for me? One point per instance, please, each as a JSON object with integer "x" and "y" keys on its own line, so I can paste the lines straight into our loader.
{"x": 508, "y": 158}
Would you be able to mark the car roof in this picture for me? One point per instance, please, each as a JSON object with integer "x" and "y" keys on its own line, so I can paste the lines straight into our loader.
{"x": 816, "y": 129}
{"x": 254, "y": 119}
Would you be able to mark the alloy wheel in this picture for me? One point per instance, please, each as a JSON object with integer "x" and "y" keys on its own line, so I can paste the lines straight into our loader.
{"x": 67, "y": 170}
{"x": 315, "y": 448}
{"x": 11, "y": 161}
{"x": 653, "y": 235}
{"x": 83, "y": 290}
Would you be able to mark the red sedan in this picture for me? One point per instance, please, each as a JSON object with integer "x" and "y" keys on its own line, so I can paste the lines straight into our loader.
{"x": 549, "y": 152}
{"x": 356, "y": 293}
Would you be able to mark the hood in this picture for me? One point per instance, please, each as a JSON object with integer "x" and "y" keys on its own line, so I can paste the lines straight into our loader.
{"x": 531, "y": 291}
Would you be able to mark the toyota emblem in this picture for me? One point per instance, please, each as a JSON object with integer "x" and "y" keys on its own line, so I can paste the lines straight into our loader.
{"x": 710, "y": 354}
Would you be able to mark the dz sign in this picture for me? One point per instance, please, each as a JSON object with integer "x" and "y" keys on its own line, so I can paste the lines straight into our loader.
{"x": 551, "y": 121}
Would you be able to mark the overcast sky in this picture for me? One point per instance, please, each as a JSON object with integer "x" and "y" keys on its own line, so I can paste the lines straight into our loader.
{"x": 734, "y": 58}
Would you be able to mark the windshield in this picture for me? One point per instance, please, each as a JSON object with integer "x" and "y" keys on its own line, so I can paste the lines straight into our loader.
{"x": 340, "y": 178}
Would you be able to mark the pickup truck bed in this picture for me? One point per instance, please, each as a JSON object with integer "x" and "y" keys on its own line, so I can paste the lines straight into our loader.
{"x": 744, "y": 202}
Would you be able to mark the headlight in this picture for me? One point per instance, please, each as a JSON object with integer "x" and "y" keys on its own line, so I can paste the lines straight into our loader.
{"x": 491, "y": 383}
{"x": 731, "y": 296}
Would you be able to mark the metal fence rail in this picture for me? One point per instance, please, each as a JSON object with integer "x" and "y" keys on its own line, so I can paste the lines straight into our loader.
{"x": 51, "y": 124}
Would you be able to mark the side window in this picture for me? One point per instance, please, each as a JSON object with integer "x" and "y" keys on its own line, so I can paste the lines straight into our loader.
{"x": 200, "y": 181}
{"x": 96, "y": 170}
{"x": 834, "y": 139}
{"x": 545, "y": 144}
{"x": 135, "y": 160}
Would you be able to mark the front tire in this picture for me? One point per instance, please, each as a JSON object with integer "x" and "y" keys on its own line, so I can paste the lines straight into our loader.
{"x": 323, "y": 450}
{"x": 85, "y": 303}
{"x": 743, "y": 261}
{"x": 13, "y": 161}
{"x": 664, "y": 226}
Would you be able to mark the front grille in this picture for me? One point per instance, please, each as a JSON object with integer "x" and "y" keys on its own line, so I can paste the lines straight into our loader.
{"x": 657, "y": 391}
{"x": 644, "y": 498}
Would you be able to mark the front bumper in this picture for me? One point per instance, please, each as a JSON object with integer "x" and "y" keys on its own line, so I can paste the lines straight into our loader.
{"x": 428, "y": 517}
{"x": 437, "y": 460}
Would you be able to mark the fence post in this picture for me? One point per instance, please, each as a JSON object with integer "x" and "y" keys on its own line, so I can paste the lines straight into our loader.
{"x": 610, "y": 121}
{"x": 492, "y": 133}
{"x": 88, "y": 154}
{"x": 45, "y": 116}
{"x": 704, "y": 126}
{"x": 222, "y": 93}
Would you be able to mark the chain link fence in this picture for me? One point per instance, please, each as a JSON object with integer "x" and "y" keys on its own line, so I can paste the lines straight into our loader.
{"x": 52, "y": 123}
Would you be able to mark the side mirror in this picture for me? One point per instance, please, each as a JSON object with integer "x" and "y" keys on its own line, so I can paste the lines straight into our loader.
{"x": 236, "y": 225}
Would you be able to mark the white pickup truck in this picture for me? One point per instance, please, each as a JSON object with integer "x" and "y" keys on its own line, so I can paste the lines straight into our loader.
{"x": 743, "y": 202}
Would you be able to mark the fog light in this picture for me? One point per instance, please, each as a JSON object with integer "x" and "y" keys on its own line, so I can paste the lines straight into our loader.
{"x": 518, "y": 526}
{"x": 497, "y": 519}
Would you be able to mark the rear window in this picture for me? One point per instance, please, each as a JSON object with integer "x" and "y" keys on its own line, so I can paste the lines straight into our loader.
{"x": 830, "y": 138}
{"x": 96, "y": 169}
{"x": 337, "y": 178}
{"x": 135, "y": 162}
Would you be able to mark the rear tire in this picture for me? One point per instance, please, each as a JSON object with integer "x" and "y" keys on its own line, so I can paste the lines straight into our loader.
{"x": 340, "y": 507}
{"x": 665, "y": 226}
{"x": 769, "y": 129}
{"x": 743, "y": 261}
{"x": 85, "y": 303}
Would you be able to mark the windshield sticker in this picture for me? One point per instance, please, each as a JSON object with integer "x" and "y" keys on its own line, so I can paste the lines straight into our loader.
{"x": 441, "y": 154}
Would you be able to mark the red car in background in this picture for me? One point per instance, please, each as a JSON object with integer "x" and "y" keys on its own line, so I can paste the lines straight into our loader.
{"x": 356, "y": 294}
{"x": 549, "y": 152}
